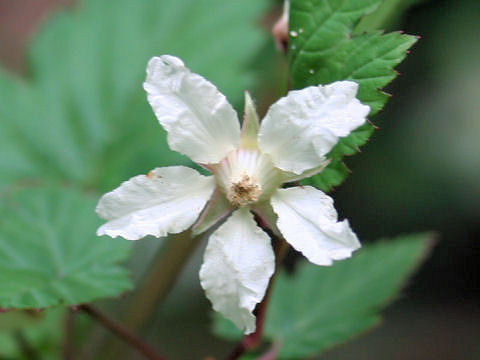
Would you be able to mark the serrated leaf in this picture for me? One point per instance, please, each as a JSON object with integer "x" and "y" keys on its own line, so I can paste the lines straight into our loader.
{"x": 333, "y": 175}
{"x": 322, "y": 49}
{"x": 82, "y": 115}
{"x": 318, "y": 307}
{"x": 50, "y": 255}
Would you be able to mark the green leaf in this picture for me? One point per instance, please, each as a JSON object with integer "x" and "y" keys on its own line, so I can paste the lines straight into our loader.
{"x": 82, "y": 114}
{"x": 318, "y": 307}
{"x": 323, "y": 49}
{"x": 332, "y": 175}
{"x": 323, "y": 306}
{"x": 50, "y": 255}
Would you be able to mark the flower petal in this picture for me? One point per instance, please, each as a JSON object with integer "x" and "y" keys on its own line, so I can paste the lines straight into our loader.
{"x": 167, "y": 200}
{"x": 301, "y": 128}
{"x": 291, "y": 177}
{"x": 238, "y": 264}
{"x": 308, "y": 221}
{"x": 198, "y": 118}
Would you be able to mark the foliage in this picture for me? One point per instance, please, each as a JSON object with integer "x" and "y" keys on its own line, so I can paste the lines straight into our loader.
{"x": 50, "y": 255}
{"x": 323, "y": 49}
{"x": 82, "y": 114}
{"x": 80, "y": 117}
{"x": 78, "y": 123}
{"x": 320, "y": 307}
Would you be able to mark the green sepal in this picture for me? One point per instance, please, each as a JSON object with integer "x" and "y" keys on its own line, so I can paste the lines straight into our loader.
{"x": 250, "y": 125}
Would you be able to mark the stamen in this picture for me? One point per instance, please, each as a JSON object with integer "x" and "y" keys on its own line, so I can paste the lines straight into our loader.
{"x": 244, "y": 192}
{"x": 246, "y": 175}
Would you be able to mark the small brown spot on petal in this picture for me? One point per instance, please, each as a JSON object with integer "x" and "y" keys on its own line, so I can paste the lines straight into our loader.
{"x": 151, "y": 174}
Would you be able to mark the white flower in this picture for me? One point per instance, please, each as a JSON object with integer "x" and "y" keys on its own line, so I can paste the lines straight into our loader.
{"x": 248, "y": 167}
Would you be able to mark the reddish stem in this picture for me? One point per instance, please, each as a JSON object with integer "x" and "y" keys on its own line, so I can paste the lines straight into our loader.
{"x": 252, "y": 341}
{"x": 67, "y": 351}
{"x": 271, "y": 353}
{"x": 120, "y": 331}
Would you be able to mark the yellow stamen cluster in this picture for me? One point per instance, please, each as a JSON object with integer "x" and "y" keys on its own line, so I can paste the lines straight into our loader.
{"x": 244, "y": 192}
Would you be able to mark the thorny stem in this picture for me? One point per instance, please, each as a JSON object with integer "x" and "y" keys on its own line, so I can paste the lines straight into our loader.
{"x": 252, "y": 341}
{"x": 120, "y": 331}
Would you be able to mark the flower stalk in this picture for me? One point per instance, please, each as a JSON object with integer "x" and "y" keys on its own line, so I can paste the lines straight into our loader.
{"x": 68, "y": 328}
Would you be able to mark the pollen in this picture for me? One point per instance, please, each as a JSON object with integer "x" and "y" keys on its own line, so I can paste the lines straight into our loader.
{"x": 244, "y": 192}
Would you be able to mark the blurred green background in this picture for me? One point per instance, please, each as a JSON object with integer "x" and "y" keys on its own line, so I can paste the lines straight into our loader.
{"x": 420, "y": 171}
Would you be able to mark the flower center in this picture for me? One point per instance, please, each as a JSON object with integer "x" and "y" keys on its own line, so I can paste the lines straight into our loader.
{"x": 246, "y": 176}
{"x": 243, "y": 192}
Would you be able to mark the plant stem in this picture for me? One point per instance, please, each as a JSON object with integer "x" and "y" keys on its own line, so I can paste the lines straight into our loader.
{"x": 68, "y": 335}
{"x": 271, "y": 353}
{"x": 120, "y": 331}
{"x": 166, "y": 268}
{"x": 252, "y": 341}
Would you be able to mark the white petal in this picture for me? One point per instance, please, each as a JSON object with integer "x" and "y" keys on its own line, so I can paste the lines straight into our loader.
{"x": 308, "y": 221}
{"x": 238, "y": 264}
{"x": 167, "y": 200}
{"x": 301, "y": 128}
{"x": 198, "y": 118}
{"x": 291, "y": 177}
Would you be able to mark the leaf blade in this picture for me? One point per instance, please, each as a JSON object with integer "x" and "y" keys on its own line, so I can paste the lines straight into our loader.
{"x": 333, "y": 304}
{"x": 324, "y": 48}
{"x": 319, "y": 307}
{"x": 50, "y": 255}
{"x": 82, "y": 115}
